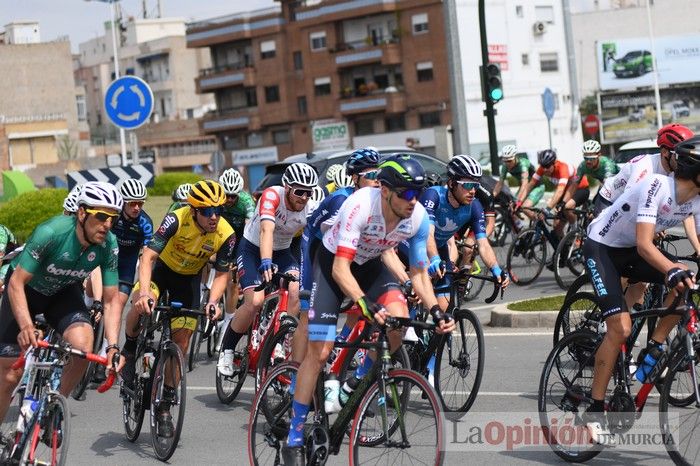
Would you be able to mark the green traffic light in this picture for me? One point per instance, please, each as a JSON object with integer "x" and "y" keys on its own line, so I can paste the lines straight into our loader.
{"x": 496, "y": 94}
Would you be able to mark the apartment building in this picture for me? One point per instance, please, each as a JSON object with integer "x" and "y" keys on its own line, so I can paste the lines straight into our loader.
{"x": 373, "y": 70}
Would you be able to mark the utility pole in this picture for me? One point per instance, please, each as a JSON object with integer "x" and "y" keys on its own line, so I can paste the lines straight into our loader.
{"x": 458, "y": 105}
{"x": 490, "y": 111}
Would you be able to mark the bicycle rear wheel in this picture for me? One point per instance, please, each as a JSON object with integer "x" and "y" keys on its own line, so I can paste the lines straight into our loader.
{"x": 407, "y": 421}
{"x": 168, "y": 395}
{"x": 49, "y": 435}
{"x": 569, "y": 262}
{"x": 565, "y": 393}
{"x": 459, "y": 364}
{"x": 679, "y": 423}
{"x": 227, "y": 387}
{"x": 526, "y": 257}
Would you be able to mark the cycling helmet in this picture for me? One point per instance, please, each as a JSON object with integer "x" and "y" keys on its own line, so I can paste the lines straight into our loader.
{"x": 591, "y": 147}
{"x": 181, "y": 192}
{"x": 100, "y": 194}
{"x": 509, "y": 152}
{"x": 361, "y": 160}
{"x": 70, "y": 203}
{"x": 688, "y": 158}
{"x": 342, "y": 179}
{"x": 232, "y": 181}
{"x": 331, "y": 171}
{"x": 672, "y": 134}
{"x": 300, "y": 174}
{"x": 318, "y": 195}
{"x": 133, "y": 190}
{"x": 463, "y": 166}
{"x": 206, "y": 193}
{"x": 547, "y": 157}
{"x": 401, "y": 171}
{"x": 432, "y": 179}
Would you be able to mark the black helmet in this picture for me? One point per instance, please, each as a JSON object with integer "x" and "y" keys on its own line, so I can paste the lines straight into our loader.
{"x": 688, "y": 158}
{"x": 546, "y": 157}
{"x": 401, "y": 171}
{"x": 362, "y": 159}
{"x": 432, "y": 179}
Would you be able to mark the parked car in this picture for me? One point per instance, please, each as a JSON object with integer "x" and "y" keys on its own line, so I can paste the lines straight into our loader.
{"x": 634, "y": 63}
{"x": 628, "y": 151}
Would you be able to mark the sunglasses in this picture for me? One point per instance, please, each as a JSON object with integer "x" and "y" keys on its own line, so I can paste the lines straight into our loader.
{"x": 232, "y": 196}
{"x": 547, "y": 167}
{"x": 370, "y": 175}
{"x": 135, "y": 203}
{"x": 209, "y": 211}
{"x": 101, "y": 215}
{"x": 590, "y": 157}
{"x": 300, "y": 192}
{"x": 409, "y": 194}
{"x": 469, "y": 185}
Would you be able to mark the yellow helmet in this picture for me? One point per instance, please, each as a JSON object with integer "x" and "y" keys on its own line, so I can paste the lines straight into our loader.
{"x": 206, "y": 193}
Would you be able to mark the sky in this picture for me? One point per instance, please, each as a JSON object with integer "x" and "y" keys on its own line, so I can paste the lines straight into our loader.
{"x": 83, "y": 20}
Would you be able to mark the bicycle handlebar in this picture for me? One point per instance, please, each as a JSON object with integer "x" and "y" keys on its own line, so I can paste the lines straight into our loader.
{"x": 285, "y": 278}
{"x": 464, "y": 274}
{"x": 396, "y": 322}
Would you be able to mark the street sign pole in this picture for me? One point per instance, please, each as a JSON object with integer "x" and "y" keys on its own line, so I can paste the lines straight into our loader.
{"x": 549, "y": 131}
{"x": 122, "y": 134}
{"x": 128, "y": 104}
{"x": 548, "y": 106}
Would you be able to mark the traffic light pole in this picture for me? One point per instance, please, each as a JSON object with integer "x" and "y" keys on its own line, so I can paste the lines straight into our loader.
{"x": 490, "y": 111}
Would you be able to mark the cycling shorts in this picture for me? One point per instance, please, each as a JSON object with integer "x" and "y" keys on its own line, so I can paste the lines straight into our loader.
{"x": 600, "y": 204}
{"x": 126, "y": 267}
{"x": 61, "y": 310}
{"x": 309, "y": 246}
{"x": 605, "y": 266}
{"x": 326, "y": 296}
{"x": 249, "y": 260}
{"x": 580, "y": 196}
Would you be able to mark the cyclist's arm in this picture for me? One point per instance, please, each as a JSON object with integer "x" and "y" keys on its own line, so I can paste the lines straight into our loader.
{"x": 18, "y": 299}
{"x": 556, "y": 197}
{"x": 525, "y": 189}
{"x": 649, "y": 252}
{"x": 267, "y": 229}
{"x": 223, "y": 264}
{"x": 497, "y": 188}
{"x": 391, "y": 259}
{"x": 692, "y": 233}
{"x": 431, "y": 245}
{"x": 343, "y": 277}
{"x": 418, "y": 260}
{"x": 431, "y": 201}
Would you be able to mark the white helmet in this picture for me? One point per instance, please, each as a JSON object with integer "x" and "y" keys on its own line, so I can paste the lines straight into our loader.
{"x": 183, "y": 191}
{"x": 463, "y": 166}
{"x": 100, "y": 194}
{"x": 330, "y": 173}
{"x": 318, "y": 195}
{"x": 300, "y": 174}
{"x": 232, "y": 181}
{"x": 591, "y": 147}
{"x": 133, "y": 190}
{"x": 342, "y": 179}
{"x": 509, "y": 152}
{"x": 70, "y": 203}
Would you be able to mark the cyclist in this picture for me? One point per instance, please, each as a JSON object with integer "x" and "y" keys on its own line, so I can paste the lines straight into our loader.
{"x": 522, "y": 170}
{"x": 238, "y": 210}
{"x": 349, "y": 263}
{"x": 47, "y": 278}
{"x": 8, "y": 243}
{"x": 180, "y": 197}
{"x": 70, "y": 203}
{"x": 330, "y": 176}
{"x": 620, "y": 244}
{"x": 595, "y": 166}
{"x": 433, "y": 179}
{"x": 280, "y": 213}
{"x": 172, "y": 261}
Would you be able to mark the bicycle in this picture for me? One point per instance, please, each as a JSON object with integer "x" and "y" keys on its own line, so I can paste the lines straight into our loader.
{"x": 206, "y": 329}
{"x": 531, "y": 246}
{"x": 259, "y": 345}
{"x": 568, "y": 260}
{"x": 36, "y": 428}
{"x": 97, "y": 323}
{"x": 472, "y": 289}
{"x": 383, "y": 397}
{"x": 157, "y": 364}
{"x": 567, "y": 376}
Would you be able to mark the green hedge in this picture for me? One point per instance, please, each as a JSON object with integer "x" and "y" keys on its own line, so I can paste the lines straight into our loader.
{"x": 165, "y": 184}
{"x": 23, "y": 213}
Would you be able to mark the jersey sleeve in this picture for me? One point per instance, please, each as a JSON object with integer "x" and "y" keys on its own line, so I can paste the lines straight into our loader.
{"x": 610, "y": 168}
{"x": 561, "y": 173}
{"x": 350, "y": 222}
{"x": 108, "y": 268}
{"x": 430, "y": 200}
{"x": 248, "y": 204}
{"x": 538, "y": 173}
{"x": 146, "y": 225}
{"x": 167, "y": 230}
{"x": 477, "y": 222}
{"x": 36, "y": 249}
{"x": 328, "y": 218}
{"x": 487, "y": 201}
{"x": 268, "y": 204}
{"x": 224, "y": 256}
{"x": 417, "y": 245}
{"x": 652, "y": 193}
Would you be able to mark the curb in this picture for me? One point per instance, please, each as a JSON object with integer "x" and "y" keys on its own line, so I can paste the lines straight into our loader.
{"x": 501, "y": 316}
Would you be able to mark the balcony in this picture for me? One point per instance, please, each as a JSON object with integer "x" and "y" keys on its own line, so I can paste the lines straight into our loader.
{"x": 234, "y": 27}
{"x": 386, "y": 52}
{"x": 222, "y": 120}
{"x": 388, "y": 102}
{"x": 225, "y": 76}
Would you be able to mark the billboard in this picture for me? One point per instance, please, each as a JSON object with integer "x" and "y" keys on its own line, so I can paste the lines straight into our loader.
{"x": 329, "y": 134}
{"x": 627, "y": 116}
{"x": 627, "y": 63}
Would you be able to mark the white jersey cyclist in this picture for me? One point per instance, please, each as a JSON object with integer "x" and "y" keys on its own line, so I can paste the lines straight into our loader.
{"x": 632, "y": 174}
{"x": 359, "y": 232}
{"x": 271, "y": 206}
{"x": 652, "y": 200}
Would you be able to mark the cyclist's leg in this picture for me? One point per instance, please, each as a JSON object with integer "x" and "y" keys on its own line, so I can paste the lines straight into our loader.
{"x": 287, "y": 263}
{"x": 442, "y": 285}
{"x": 533, "y": 198}
{"x": 184, "y": 289}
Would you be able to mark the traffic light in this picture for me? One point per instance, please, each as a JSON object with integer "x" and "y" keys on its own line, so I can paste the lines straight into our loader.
{"x": 493, "y": 83}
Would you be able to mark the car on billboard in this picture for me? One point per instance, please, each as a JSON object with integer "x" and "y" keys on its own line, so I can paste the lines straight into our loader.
{"x": 637, "y": 115}
{"x": 634, "y": 63}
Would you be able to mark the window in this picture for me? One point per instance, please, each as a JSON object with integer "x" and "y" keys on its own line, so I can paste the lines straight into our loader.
{"x": 301, "y": 105}
{"x": 318, "y": 40}
{"x": 525, "y": 59}
{"x": 519, "y": 11}
{"x": 549, "y": 62}
{"x": 298, "y": 62}
{"x": 322, "y": 86}
{"x": 363, "y": 127}
{"x": 545, "y": 14}
{"x": 251, "y": 97}
{"x": 281, "y": 136}
{"x": 255, "y": 140}
{"x": 267, "y": 49}
{"x": 395, "y": 122}
{"x": 82, "y": 110}
{"x": 419, "y": 23}
{"x": 429, "y": 119}
{"x": 425, "y": 71}
{"x": 190, "y": 113}
{"x": 272, "y": 94}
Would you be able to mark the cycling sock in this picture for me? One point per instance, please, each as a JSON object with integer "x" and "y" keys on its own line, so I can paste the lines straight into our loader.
{"x": 364, "y": 368}
{"x": 345, "y": 332}
{"x": 293, "y": 383}
{"x": 296, "y": 428}
{"x": 130, "y": 345}
{"x": 231, "y": 339}
{"x": 651, "y": 343}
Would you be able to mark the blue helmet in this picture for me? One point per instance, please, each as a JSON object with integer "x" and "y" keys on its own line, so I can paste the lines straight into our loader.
{"x": 360, "y": 160}
{"x": 402, "y": 171}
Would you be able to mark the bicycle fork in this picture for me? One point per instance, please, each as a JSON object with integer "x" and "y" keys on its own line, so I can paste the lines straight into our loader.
{"x": 384, "y": 380}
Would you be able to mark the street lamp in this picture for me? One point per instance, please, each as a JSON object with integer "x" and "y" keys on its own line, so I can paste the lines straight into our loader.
{"x": 654, "y": 69}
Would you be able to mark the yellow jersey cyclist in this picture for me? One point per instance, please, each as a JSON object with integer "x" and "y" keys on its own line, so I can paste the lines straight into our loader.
{"x": 172, "y": 261}
{"x": 280, "y": 213}
{"x": 47, "y": 277}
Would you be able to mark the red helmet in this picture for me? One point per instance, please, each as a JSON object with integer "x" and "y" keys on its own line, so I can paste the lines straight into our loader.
{"x": 672, "y": 134}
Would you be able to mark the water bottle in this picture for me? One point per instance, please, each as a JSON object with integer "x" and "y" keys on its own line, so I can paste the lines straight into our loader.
{"x": 331, "y": 392}
{"x": 29, "y": 405}
{"x": 648, "y": 363}
{"x": 148, "y": 361}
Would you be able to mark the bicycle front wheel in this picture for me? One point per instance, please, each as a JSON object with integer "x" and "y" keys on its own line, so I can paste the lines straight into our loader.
{"x": 406, "y": 419}
{"x": 569, "y": 262}
{"x": 579, "y": 312}
{"x": 459, "y": 364}
{"x": 526, "y": 257}
{"x": 49, "y": 436}
{"x": 168, "y": 396}
{"x": 276, "y": 350}
{"x": 87, "y": 377}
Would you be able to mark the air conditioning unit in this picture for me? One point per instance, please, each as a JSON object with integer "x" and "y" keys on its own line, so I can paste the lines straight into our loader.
{"x": 539, "y": 28}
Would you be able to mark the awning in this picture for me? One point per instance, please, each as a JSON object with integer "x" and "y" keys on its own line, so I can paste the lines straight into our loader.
{"x": 152, "y": 56}
{"x": 15, "y": 183}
